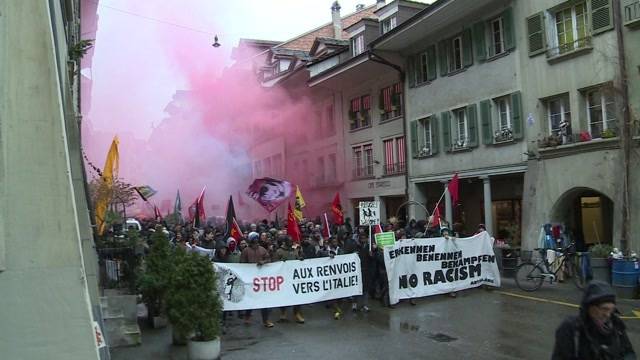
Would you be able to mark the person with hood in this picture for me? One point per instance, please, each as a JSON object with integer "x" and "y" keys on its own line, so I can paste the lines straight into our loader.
{"x": 597, "y": 333}
{"x": 285, "y": 252}
{"x": 256, "y": 254}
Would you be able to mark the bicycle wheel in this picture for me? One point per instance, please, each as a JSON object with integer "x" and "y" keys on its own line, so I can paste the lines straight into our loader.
{"x": 529, "y": 276}
{"x": 573, "y": 269}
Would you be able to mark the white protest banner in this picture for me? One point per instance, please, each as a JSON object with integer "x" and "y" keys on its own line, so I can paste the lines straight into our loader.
{"x": 286, "y": 283}
{"x": 424, "y": 267}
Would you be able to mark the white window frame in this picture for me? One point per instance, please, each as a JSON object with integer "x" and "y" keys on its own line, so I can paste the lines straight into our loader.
{"x": 565, "y": 108}
{"x": 388, "y": 24}
{"x": 368, "y": 158}
{"x": 507, "y": 102}
{"x": 578, "y": 42}
{"x": 452, "y": 55}
{"x": 366, "y": 161}
{"x": 425, "y": 133}
{"x": 492, "y": 36}
{"x": 357, "y": 44}
{"x": 603, "y": 109}
{"x": 460, "y": 141}
{"x": 422, "y": 74}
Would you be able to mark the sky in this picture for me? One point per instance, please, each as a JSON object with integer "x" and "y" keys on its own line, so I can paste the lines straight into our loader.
{"x": 146, "y": 51}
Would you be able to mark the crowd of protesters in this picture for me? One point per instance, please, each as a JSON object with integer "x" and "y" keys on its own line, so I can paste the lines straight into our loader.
{"x": 263, "y": 242}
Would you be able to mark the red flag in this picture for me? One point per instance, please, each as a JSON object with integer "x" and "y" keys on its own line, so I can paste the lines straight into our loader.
{"x": 326, "y": 230}
{"x": 435, "y": 219}
{"x": 156, "y": 213}
{"x": 377, "y": 229}
{"x": 196, "y": 210}
{"x": 292, "y": 227}
{"x": 453, "y": 189}
{"x": 336, "y": 209}
{"x": 235, "y": 232}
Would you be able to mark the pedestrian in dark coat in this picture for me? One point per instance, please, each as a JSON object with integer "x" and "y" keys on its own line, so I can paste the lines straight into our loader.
{"x": 597, "y": 333}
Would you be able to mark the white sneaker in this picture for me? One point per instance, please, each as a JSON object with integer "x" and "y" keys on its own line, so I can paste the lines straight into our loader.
{"x": 354, "y": 307}
{"x": 365, "y": 309}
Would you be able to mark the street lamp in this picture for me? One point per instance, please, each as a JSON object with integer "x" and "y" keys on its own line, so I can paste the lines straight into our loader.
{"x": 215, "y": 44}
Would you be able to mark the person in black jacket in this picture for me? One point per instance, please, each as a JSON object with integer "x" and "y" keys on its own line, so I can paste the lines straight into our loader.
{"x": 597, "y": 333}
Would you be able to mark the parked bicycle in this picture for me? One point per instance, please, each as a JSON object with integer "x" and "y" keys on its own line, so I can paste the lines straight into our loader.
{"x": 530, "y": 275}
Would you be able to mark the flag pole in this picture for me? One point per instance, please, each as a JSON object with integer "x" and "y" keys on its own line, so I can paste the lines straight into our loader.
{"x": 369, "y": 236}
{"x": 446, "y": 187}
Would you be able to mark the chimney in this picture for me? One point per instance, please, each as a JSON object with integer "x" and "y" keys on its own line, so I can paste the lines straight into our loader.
{"x": 337, "y": 21}
{"x": 380, "y": 4}
{"x": 359, "y": 7}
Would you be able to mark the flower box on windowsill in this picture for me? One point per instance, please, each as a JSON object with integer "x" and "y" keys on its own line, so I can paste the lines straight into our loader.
{"x": 574, "y": 148}
{"x": 460, "y": 146}
{"x": 503, "y": 136}
{"x": 383, "y": 121}
{"x": 425, "y": 152}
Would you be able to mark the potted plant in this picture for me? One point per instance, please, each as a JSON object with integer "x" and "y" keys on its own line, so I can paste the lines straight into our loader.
{"x": 194, "y": 305}
{"x": 600, "y": 268}
{"x": 608, "y": 134}
{"x": 154, "y": 275}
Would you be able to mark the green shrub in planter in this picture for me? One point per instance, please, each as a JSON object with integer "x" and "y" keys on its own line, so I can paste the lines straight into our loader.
{"x": 193, "y": 303}
{"x": 600, "y": 251}
{"x": 154, "y": 273}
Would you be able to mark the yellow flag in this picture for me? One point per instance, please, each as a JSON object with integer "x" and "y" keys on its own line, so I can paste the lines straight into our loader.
{"x": 297, "y": 212}
{"x": 109, "y": 173}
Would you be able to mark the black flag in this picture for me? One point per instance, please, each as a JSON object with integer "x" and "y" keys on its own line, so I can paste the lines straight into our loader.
{"x": 231, "y": 215}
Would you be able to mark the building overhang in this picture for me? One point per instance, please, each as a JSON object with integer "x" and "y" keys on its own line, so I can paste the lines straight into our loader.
{"x": 356, "y": 70}
{"x": 472, "y": 173}
{"x": 432, "y": 20}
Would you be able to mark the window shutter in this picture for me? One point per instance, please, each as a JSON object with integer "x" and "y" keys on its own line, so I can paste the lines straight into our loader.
{"x": 601, "y": 16}
{"x": 516, "y": 115}
{"x": 442, "y": 55}
{"x": 536, "y": 35}
{"x": 467, "y": 48}
{"x": 411, "y": 71}
{"x": 472, "y": 118}
{"x": 432, "y": 71}
{"x": 487, "y": 122}
{"x": 435, "y": 135}
{"x": 479, "y": 37}
{"x": 446, "y": 131}
{"x": 414, "y": 138}
{"x": 509, "y": 34}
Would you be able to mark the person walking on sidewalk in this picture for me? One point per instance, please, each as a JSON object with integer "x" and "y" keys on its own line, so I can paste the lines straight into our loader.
{"x": 597, "y": 333}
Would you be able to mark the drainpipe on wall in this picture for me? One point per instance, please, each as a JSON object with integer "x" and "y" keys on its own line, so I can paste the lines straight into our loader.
{"x": 625, "y": 136}
{"x": 379, "y": 59}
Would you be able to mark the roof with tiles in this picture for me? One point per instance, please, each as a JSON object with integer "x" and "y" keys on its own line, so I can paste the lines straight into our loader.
{"x": 305, "y": 41}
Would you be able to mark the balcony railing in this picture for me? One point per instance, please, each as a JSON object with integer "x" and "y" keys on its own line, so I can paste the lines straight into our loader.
{"x": 567, "y": 48}
{"x": 632, "y": 13}
{"x": 363, "y": 172}
{"x": 395, "y": 169}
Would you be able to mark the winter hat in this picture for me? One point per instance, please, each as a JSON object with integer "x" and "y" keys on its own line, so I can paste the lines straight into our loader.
{"x": 231, "y": 244}
{"x": 596, "y": 293}
{"x": 253, "y": 236}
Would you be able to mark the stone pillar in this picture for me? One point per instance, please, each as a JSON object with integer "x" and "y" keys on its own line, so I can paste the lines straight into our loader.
{"x": 488, "y": 209}
{"x": 417, "y": 195}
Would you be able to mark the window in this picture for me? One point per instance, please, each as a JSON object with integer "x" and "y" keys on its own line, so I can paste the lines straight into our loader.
{"x": 601, "y": 114}
{"x": 559, "y": 116}
{"x": 422, "y": 67}
{"x": 390, "y": 103}
{"x": 394, "y": 156}
{"x": 461, "y": 128}
{"x": 329, "y": 121}
{"x": 388, "y": 24}
{"x": 571, "y": 28}
{"x": 455, "y": 56}
{"x": 359, "y": 112}
{"x": 357, "y": 45}
{"x": 424, "y": 137}
{"x": 455, "y": 53}
{"x": 320, "y": 176}
{"x": 363, "y": 161}
{"x": 632, "y": 12}
{"x": 497, "y": 37}
{"x": 333, "y": 168}
{"x": 504, "y": 123}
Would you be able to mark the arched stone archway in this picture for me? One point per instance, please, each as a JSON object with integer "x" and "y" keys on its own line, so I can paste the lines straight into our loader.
{"x": 588, "y": 213}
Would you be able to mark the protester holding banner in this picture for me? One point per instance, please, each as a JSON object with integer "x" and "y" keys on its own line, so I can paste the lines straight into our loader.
{"x": 287, "y": 252}
{"x": 367, "y": 264}
{"x": 256, "y": 254}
